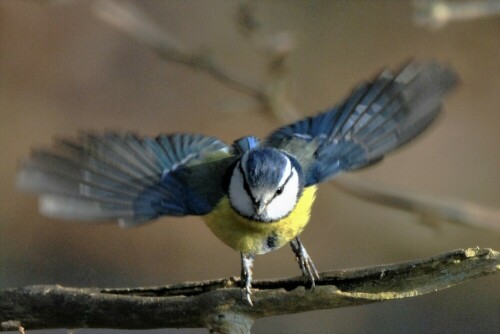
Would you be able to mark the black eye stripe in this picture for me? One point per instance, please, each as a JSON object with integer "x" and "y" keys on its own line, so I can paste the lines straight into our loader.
{"x": 284, "y": 184}
{"x": 245, "y": 184}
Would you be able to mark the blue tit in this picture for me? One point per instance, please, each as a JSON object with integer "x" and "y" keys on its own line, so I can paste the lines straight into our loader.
{"x": 255, "y": 196}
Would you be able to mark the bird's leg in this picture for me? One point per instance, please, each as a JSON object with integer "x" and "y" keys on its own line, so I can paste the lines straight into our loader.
{"x": 246, "y": 276}
{"x": 305, "y": 262}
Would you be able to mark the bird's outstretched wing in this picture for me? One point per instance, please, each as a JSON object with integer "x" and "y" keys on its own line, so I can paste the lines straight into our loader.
{"x": 375, "y": 119}
{"x": 126, "y": 177}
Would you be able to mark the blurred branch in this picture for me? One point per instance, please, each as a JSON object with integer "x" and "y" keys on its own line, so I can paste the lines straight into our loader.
{"x": 218, "y": 304}
{"x": 129, "y": 19}
{"x": 274, "y": 96}
{"x": 438, "y": 13}
{"x": 451, "y": 210}
{"x": 277, "y": 47}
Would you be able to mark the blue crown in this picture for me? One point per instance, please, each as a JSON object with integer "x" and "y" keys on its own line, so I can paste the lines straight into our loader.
{"x": 265, "y": 167}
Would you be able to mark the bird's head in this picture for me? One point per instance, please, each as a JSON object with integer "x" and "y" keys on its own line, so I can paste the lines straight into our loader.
{"x": 265, "y": 184}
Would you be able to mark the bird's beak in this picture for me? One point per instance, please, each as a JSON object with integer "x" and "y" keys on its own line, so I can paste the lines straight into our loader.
{"x": 259, "y": 207}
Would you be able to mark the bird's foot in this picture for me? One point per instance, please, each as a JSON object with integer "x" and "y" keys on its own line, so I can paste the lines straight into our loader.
{"x": 246, "y": 277}
{"x": 306, "y": 264}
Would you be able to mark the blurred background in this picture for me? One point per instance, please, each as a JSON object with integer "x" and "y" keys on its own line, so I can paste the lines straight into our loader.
{"x": 63, "y": 70}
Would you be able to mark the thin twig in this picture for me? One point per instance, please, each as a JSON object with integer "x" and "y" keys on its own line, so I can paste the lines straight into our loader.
{"x": 437, "y": 13}
{"x": 277, "y": 46}
{"x": 218, "y": 304}
{"x": 129, "y": 19}
{"x": 429, "y": 207}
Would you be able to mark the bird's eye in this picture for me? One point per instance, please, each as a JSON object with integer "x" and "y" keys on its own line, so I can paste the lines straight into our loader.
{"x": 279, "y": 191}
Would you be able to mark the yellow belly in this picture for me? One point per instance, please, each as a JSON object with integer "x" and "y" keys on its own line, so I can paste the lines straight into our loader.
{"x": 252, "y": 237}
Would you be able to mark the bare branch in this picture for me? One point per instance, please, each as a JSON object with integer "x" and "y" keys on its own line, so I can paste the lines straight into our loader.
{"x": 277, "y": 46}
{"x": 449, "y": 210}
{"x": 272, "y": 96}
{"x": 130, "y": 20}
{"x": 437, "y": 13}
{"x": 218, "y": 304}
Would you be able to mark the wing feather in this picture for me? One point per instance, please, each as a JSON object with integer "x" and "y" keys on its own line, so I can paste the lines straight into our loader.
{"x": 125, "y": 177}
{"x": 375, "y": 119}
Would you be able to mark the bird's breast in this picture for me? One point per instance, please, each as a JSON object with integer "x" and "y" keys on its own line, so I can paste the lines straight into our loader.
{"x": 253, "y": 237}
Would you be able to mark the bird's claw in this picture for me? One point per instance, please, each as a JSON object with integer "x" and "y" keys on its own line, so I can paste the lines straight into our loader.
{"x": 308, "y": 268}
{"x": 247, "y": 295}
{"x": 246, "y": 277}
{"x": 306, "y": 264}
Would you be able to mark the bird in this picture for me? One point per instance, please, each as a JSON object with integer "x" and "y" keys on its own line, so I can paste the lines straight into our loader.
{"x": 254, "y": 195}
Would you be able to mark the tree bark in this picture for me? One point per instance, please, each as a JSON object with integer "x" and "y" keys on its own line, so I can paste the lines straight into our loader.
{"x": 218, "y": 304}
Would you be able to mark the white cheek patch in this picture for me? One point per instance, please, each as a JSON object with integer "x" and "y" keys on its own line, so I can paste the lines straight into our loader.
{"x": 286, "y": 173}
{"x": 283, "y": 204}
{"x": 279, "y": 205}
{"x": 268, "y": 196}
{"x": 239, "y": 197}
